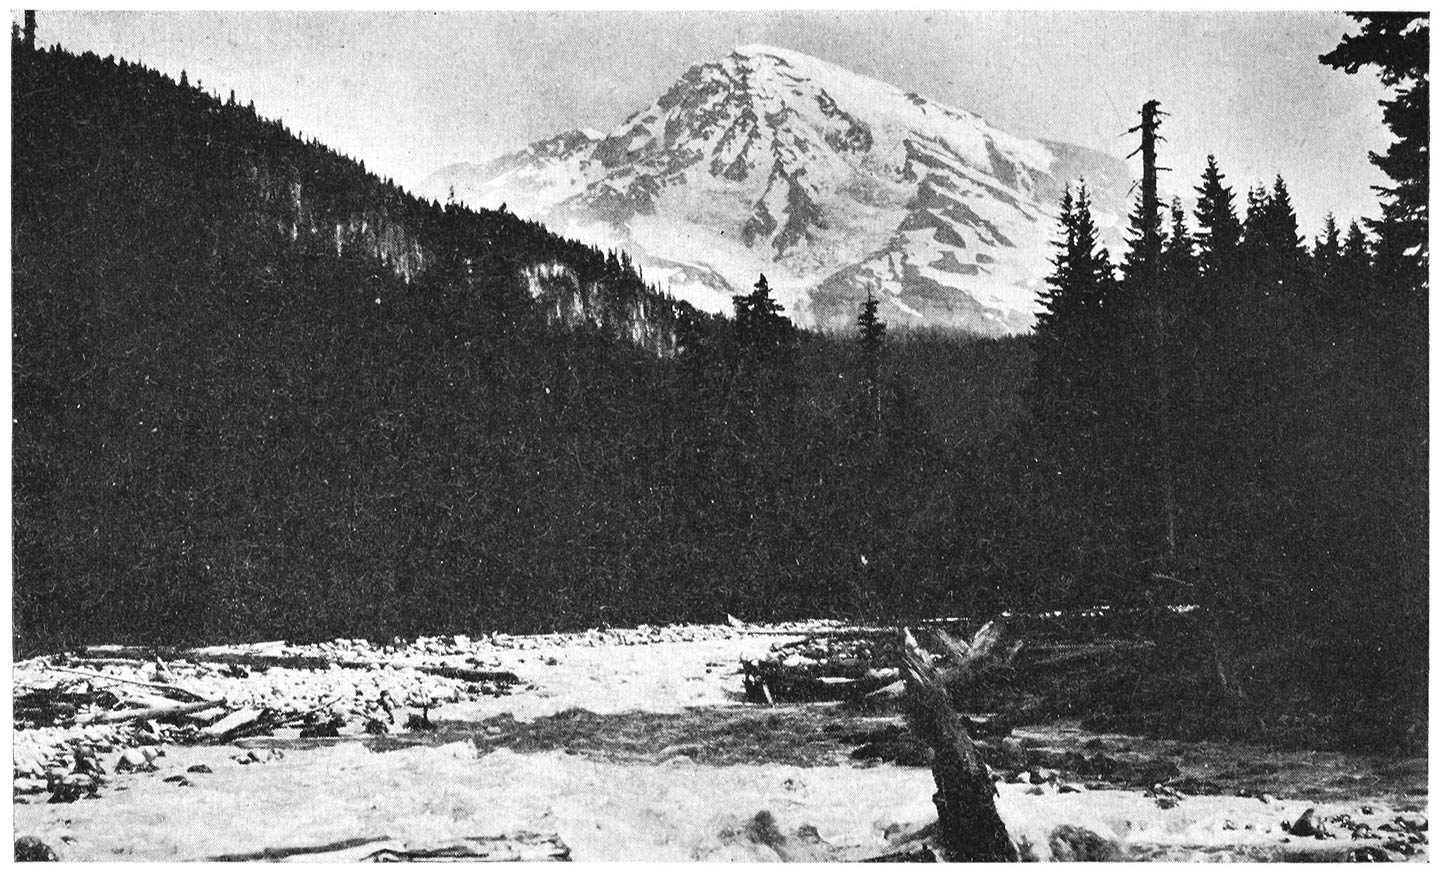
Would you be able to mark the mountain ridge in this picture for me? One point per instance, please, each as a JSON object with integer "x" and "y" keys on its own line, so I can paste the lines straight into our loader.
{"x": 830, "y": 182}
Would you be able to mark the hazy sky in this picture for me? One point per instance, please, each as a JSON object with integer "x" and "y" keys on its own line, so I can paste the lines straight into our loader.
{"x": 411, "y": 92}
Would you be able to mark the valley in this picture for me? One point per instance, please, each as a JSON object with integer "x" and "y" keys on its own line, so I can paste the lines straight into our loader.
{"x": 582, "y": 504}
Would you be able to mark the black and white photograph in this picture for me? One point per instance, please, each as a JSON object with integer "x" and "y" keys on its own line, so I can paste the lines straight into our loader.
{"x": 742, "y": 434}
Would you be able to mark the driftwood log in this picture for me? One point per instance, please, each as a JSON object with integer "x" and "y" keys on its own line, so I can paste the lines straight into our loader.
{"x": 293, "y": 662}
{"x": 145, "y": 714}
{"x": 517, "y": 847}
{"x": 969, "y": 828}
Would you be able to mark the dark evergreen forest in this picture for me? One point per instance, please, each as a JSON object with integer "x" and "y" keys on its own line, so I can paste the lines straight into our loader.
{"x": 260, "y": 392}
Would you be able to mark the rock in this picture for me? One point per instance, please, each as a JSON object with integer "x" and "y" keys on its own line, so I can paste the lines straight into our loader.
{"x": 73, "y": 787}
{"x": 906, "y": 753}
{"x": 1368, "y": 853}
{"x": 198, "y": 768}
{"x": 1071, "y": 788}
{"x": 1309, "y": 825}
{"x": 1415, "y": 823}
{"x": 32, "y": 849}
{"x": 133, "y": 760}
{"x": 328, "y": 728}
{"x": 1040, "y": 775}
{"x": 1071, "y": 843}
{"x": 1397, "y": 845}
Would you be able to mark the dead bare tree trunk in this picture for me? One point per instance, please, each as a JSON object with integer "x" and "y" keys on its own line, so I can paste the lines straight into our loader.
{"x": 970, "y": 828}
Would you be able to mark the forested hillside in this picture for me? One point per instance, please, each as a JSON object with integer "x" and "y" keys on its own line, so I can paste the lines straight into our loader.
{"x": 259, "y": 391}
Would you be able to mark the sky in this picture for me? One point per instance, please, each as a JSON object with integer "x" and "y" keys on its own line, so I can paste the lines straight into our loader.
{"x": 410, "y": 92}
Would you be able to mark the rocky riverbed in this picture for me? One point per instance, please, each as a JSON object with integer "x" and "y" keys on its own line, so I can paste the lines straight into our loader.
{"x": 614, "y": 745}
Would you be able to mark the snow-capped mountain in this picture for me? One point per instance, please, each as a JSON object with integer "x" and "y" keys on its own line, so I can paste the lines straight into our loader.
{"x": 826, "y": 181}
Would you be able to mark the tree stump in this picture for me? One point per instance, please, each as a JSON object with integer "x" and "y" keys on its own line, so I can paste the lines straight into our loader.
{"x": 970, "y": 828}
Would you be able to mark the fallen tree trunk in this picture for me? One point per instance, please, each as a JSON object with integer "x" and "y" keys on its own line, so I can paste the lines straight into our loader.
{"x": 241, "y": 659}
{"x": 461, "y": 674}
{"x": 291, "y": 852}
{"x": 174, "y": 690}
{"x": 156, "y": 712}
{"x": 520, "y": 847}
{"x": 970, "y": 828}
{"x": 292, "y": 662}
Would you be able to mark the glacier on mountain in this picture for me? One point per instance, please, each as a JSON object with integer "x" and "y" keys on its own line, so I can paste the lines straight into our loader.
{"x": 829, "y": 182}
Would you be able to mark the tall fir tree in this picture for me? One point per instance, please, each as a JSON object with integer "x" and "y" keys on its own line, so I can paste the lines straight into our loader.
{"x": 1082, "y": 283}
{"x": 1217, "y": 233}
{"x": 1075, "y": 336}
{"x": 1286, "y": 247}
{"x": 1355, "y": 273}
{"x": 1398, "y": 43}
{"x": 1326, "y": 252}
{"x": 872, "y": 342}
{"x": 758, "y": 323}
{"x": 1178, "y": 259}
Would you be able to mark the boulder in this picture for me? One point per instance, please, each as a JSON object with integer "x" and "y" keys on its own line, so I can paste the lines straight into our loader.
{"x": 1309, "y": 825}
{"x": 32, "y": 849}
{"x": 1071, "y": 843}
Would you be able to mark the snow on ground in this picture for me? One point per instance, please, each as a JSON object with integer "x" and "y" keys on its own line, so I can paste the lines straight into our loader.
{"x": 283, "y": 792}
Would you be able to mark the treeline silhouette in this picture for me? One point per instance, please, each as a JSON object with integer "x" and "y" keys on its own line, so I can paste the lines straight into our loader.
{"x": 1241, "y": 420}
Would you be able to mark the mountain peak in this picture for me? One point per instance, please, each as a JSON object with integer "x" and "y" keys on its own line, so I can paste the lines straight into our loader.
{"x": 784, "y": 55}
{"x": 760, "y": 48}
{"x": 828, "y": 181}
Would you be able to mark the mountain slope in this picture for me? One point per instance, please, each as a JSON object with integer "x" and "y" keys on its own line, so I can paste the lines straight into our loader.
{"x": 829, "y": 182}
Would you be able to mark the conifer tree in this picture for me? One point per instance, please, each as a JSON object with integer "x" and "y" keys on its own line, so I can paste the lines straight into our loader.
{"x": 1082, "y": 283}
{"x": 1325, "y": 258}
{"x": 1072, "y": 336}
{"x": 758, "y": 323}
{"x": 1356, "y": 251}
{"x": 1354, "y": 266}
{"x": 1217, "y": 234}
{"x": 1398, "y": 43}
{"x": 872, "y": 340}
{"x": 1282, "y": 231}
{"x": 1327, "y": 248}
{"x": 1178, "y": 260}
{"x": 1253, "y": 230}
